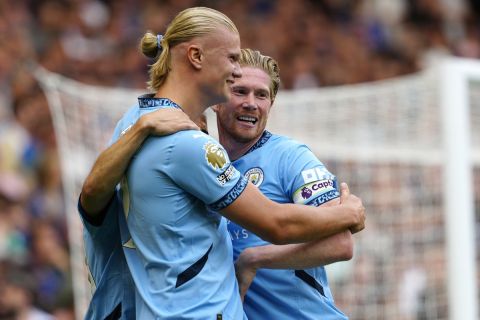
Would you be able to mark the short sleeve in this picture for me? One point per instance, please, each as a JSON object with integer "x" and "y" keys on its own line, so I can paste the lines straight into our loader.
{"x": 124, "y": 124}
{"x": 309, "y": 181}
{"x": 200, "y": 166}
{"x": 106, "y": 225}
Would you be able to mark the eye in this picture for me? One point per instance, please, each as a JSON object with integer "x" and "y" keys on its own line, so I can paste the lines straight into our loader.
{"x": 263, "y": 95}
{"x": 239, "y": 91}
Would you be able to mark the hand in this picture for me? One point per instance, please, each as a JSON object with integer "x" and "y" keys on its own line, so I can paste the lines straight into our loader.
{"x": 163, "y": 122}
{"x": 355, "y": 204}
{"x": 245, "y": 272}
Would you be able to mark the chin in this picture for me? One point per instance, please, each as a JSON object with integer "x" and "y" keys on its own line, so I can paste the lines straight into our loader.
{"x": 246, "y": 136}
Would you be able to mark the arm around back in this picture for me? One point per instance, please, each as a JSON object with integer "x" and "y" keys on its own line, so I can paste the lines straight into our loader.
{"x": 110, "y": 166}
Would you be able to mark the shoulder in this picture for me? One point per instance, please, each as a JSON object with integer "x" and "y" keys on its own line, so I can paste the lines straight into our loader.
{"x": 289, "y": 147}
{"x": 192, "y": 140}
{"x": 125, "y": 123}
{"x": 192, "y": 148}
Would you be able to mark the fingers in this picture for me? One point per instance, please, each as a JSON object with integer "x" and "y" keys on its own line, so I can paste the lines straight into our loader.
{"x": 361, "y": 223}
{"x": 188, "y": 125}
{"x": 168, "y": 121}
{"x": 344, "y": 192}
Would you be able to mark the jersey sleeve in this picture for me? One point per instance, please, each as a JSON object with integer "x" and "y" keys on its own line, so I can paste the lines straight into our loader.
{"x": 308, "y": 180}
{"x": 200, "y": 166}
{"x": 124, "y": 124}
{"x": 106, "y": 223}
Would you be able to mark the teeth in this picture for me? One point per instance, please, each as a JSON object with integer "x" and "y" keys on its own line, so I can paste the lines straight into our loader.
{"x": 244, "y": 118}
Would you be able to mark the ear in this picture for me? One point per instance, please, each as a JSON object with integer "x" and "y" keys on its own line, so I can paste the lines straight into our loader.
{"x": 215, "y": 108}
{"x": 195, "y": 56}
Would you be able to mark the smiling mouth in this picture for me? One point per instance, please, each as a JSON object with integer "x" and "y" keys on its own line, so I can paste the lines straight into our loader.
{"x": 248, "y": 119}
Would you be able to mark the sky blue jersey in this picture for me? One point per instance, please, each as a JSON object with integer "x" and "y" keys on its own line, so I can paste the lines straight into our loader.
{"x": 113, "y": 293}
{"x": 286, "y": 172}
{"x": 113, "y": 290}
{"x": 177, "y": 246}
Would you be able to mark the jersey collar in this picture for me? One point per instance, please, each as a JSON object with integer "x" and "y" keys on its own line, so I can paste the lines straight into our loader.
{"x": 260, "y": 142}
{"x": 149, "y": 101}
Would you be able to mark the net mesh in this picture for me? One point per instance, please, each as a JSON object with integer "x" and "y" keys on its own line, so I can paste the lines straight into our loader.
{"x": 383, "y": 138}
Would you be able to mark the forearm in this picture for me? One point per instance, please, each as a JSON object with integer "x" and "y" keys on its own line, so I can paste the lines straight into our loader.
{"x": 289, "y": 223}
{"x": 109, "y": 168}
{"x": 338, "y": 247}
{"x": 306, "y": 223}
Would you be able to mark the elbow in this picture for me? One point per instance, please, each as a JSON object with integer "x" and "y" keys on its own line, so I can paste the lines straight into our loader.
{"x": 89, "y": 189}
{"x": 346, "y": 247}
{"x": 347, "y": 254}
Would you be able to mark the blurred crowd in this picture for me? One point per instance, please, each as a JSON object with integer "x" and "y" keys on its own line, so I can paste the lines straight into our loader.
{"x": 317, "y": 43}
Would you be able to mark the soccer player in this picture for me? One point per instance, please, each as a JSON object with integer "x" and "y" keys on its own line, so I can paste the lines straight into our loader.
{"x": 113, "y": 294}
{"x": 289, "y": 281}
{"x": 180, "y": 252}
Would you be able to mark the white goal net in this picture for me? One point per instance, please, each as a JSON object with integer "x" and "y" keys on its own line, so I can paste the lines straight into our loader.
{"x": 387, "y": 140}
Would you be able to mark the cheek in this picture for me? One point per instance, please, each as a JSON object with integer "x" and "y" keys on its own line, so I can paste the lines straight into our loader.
{"x": 265, "y": 110}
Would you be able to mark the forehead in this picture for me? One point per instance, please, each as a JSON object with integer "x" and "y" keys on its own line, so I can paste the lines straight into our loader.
{"x": 223, "y": 39}
{"x": 254, "y": 78}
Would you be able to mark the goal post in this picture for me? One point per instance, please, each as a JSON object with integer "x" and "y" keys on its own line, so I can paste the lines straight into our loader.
{"x": 408, "y": 146}
{"x": 456, "y": 76}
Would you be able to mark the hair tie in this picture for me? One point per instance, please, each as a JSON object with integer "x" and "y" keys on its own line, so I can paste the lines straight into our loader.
{"x": 159, "y": 42}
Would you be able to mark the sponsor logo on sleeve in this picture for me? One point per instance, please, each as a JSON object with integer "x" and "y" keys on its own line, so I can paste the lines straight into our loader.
{"x": 255, "y": 176}
{"x": 324, "y": 189}
{"x": 315, "y": 174}
{"x": 226, "y": 176}
{"x": 215, "y": 155}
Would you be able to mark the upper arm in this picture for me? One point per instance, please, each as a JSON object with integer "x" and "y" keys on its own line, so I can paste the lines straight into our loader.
{"x": 307, "y": 180}
{"x": 199, "y": 165}
{"x": 249, "y": 210}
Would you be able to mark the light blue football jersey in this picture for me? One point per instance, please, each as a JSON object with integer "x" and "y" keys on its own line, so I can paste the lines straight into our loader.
{"x": 113, "y": 292}
{"x": 286, "y": 172}
{"x": 180, "y": 252}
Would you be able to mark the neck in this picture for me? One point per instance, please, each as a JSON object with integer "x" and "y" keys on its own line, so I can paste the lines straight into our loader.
{"x": 185, "y": 94}
{"x": 234, "y": 148}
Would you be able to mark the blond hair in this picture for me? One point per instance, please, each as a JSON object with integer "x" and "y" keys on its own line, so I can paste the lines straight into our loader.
{"x": 189, "y": 23}
{"x": 253, "y": 58}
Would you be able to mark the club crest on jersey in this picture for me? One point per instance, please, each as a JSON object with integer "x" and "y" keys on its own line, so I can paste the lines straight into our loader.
{"x": 215, "y": 155}
{"x": 255, "y": 176}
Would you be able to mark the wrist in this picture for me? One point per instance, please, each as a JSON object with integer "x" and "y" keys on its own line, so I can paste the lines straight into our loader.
{"x": 143, "y": 126}
{"x": 249, "y": 258}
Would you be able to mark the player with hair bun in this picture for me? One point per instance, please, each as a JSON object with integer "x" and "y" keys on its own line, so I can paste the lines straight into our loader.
{"x": 177, "y": 187}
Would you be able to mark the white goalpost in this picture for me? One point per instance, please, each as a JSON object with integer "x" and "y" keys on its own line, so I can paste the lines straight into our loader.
{"x": 409, "y": 146}
{"x": 456, "y": 76}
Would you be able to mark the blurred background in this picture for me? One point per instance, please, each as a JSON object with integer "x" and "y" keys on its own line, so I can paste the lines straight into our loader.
{"x": 317, "y": 43}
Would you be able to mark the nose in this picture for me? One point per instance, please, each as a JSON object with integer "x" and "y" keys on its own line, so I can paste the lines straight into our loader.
{"x": 249, "y": 101}
{"x": 237, "y": 71}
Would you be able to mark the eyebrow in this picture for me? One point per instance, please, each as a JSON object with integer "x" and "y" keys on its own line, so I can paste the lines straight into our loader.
{"x": 242, "y": 87}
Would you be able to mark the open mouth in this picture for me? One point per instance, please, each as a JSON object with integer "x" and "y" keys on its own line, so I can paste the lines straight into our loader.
{"x": 248, "y": 119}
